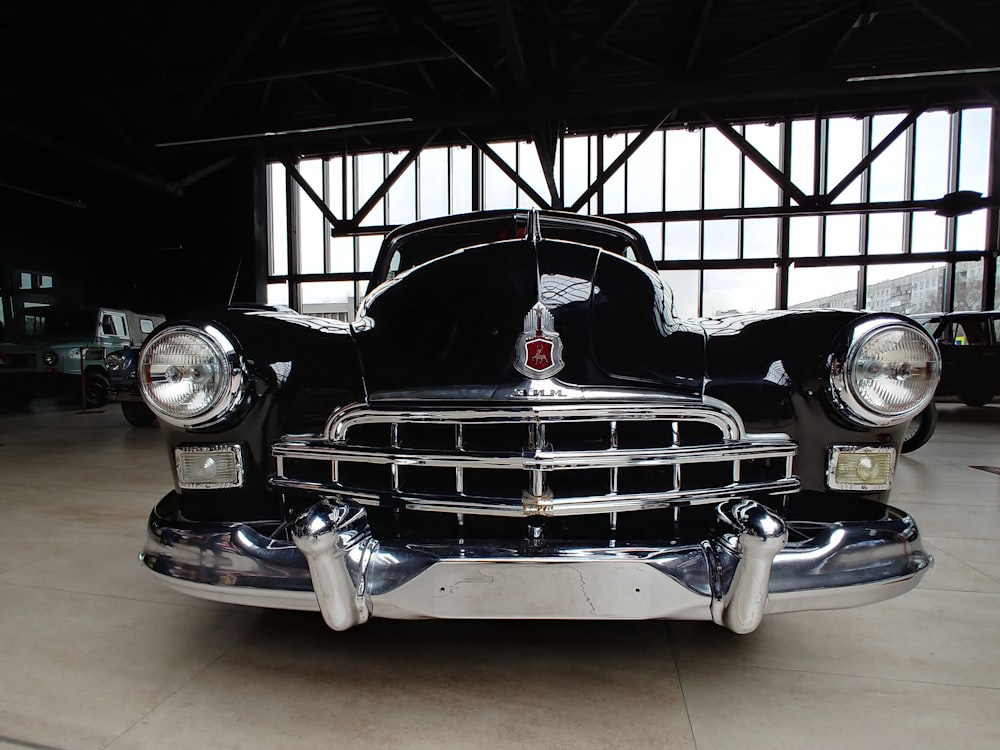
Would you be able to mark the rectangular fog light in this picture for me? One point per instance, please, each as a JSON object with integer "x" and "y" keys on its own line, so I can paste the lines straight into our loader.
{"x": 861, "y": 468}
{"x": 209, "y": 467}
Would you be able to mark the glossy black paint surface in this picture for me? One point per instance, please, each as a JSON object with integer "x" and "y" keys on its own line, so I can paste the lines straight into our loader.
{"x": 455, "y": 321}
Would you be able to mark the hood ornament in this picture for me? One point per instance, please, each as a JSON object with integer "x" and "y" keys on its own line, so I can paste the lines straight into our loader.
{"x": 538, "y": 353}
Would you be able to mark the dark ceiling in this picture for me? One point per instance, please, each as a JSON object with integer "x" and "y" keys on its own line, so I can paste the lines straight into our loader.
{"x": 145, "y": 98}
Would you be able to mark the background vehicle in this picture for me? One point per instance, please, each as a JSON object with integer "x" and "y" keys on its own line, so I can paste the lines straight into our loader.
{"x": 48, "y": 348}
{"x": 969, "y": 343}
{"x": 970, "y": 353}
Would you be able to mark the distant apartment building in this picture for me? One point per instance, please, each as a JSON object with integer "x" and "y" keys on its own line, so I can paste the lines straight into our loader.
{"x": 915, "y": 293}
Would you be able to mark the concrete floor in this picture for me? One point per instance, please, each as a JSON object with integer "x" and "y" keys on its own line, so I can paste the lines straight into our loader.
{"x": 95, "y": 653}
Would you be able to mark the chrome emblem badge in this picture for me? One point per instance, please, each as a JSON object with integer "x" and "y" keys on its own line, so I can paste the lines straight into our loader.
{"x": 538, "y": 353}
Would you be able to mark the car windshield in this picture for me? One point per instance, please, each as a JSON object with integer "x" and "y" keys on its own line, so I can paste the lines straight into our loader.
{"x": 56, "y": 321}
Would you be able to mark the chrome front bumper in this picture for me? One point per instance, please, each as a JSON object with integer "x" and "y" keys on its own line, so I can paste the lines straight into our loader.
{"x": 337, "y": 567}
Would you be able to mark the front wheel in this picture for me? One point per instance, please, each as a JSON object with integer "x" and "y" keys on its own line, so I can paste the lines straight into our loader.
{"x": 920, "y": 429}
{"x": 96, "y": 390}
{"x": 137, "y": 414}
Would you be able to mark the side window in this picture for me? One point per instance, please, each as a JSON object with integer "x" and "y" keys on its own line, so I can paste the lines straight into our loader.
{"x": 943, "y": 332}
{"x": 146, "y": 325}
{"x": 113, "y": 324}
{"x": 971, "y": 333}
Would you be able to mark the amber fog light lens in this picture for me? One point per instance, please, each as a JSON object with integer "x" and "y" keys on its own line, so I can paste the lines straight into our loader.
{"x": 190, "y": 376}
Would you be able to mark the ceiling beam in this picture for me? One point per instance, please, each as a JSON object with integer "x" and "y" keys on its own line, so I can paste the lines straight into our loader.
{"x": 461, "y": 50}
{"x": 99, "y": 163}
{"x": 952, "y": 18}
{"x": 787, "y": 33}
{"x": 698, "y": 35}
{"x": 387, "y": 54}
{"x": 233, "y": 60}
{"x": 512, "y": 45}
{"x": 607, "y": 28}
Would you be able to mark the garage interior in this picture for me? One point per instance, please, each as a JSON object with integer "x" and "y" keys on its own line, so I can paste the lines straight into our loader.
{"x": 165, "y": 158}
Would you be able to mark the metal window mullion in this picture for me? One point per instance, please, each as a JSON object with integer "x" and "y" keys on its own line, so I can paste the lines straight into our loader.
{"x": 327, "y": 226}
{"x": 477, "y": 177}
{"x": 908, "y": 187}
{"x": 292, "y": 231}
{"x": 992, "y": 216}
{"x": 951, "y": 222}
{"x": 450, "y": 174}
{"x": 416, "y": 187}
{"x": 600, "y": 167}
{"x": 863, "y": 224}
{"x": 821, "y": 149}
{"x": 785, "y": 223}
{"x": 742, "y": 193}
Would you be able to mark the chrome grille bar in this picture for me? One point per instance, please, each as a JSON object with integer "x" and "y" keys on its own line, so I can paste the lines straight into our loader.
{"x": 538, "y": 461}
{"x": 540, "y": 457}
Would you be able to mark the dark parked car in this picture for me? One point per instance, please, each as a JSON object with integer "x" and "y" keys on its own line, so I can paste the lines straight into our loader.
{"x": 970, "y": 353}
{"x": 969, "y": 343}
{"x": 518, "y": 426}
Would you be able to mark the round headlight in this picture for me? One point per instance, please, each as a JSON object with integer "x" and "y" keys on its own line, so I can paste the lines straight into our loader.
{"x": 888, "y": 373}
{"x": 190, "y": 376}
{"x": 50, "y": 358}
{"x": 114, "y": 362}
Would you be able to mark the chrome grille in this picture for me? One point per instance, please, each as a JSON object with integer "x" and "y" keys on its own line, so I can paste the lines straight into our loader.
{"x": 536, "y": 459}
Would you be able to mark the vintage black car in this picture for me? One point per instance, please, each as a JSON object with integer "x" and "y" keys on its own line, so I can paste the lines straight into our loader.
{"x": 518, "y": 426}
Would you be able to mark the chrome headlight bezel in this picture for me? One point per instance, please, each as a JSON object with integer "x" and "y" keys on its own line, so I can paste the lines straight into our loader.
{"x": 845, "y": 390}
{"x": 229, "y": 372}
{"x": 115, "y": 362}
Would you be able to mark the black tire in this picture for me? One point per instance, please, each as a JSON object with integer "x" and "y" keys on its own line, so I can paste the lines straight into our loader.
{"x": 96, "y": 390}
{"x": 138, "y": 414}
{"x": 975, "y": 398}
{"x": 920, "y": 429}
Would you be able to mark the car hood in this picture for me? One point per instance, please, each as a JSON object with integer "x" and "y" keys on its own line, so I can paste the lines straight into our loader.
{"x": 456, "y": 321}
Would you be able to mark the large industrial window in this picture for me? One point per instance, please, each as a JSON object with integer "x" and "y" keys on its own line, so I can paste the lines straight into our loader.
{"x": 830, "y": 212}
